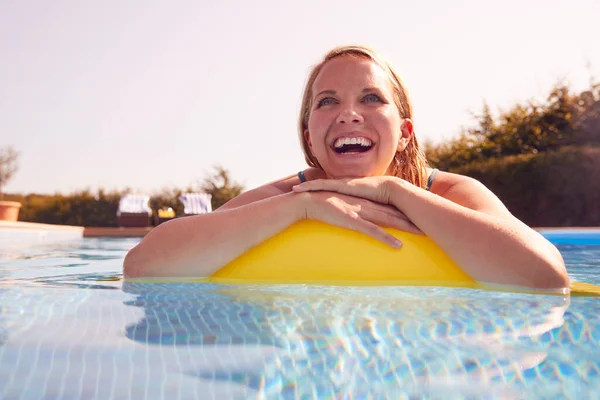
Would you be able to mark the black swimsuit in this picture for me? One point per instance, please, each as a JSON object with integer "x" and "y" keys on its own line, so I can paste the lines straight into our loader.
{"x": 429, "y": 180}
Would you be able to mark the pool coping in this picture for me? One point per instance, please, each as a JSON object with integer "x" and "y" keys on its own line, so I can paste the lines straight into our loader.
{"x": 34, "y": 226}
{"x": 92, "y": 232}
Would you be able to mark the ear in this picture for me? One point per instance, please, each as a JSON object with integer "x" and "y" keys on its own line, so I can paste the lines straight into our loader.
{"x": 307, "y": 137}
{"x": 406, "y": 130}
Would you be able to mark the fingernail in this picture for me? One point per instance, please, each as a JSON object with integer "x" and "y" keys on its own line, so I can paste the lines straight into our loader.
{"x": 397, "y": 243}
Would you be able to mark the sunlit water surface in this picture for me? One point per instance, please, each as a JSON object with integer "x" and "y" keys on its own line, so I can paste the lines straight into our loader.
{"x": 71, "y": 328}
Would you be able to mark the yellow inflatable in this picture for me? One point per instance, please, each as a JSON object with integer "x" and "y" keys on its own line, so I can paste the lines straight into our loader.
{"x": 313, "y": 252}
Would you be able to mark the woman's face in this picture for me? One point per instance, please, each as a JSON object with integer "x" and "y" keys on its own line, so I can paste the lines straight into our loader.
{"x": 354, "y": 127}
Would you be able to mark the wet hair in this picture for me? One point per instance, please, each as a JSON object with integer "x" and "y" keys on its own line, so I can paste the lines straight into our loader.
{"x": 408, "y": 164}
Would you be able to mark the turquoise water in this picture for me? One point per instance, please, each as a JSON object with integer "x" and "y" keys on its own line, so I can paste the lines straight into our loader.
{"x": 71, "y": 329}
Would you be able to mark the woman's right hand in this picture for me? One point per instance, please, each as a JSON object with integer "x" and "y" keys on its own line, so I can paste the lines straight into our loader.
{"x": 356, "y": 213}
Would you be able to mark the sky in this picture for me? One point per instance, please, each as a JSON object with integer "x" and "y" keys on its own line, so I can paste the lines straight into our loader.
{"x": 149, "y": 94}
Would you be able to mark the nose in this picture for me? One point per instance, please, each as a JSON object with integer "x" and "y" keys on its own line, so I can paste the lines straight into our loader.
{"x": 349, "y": 115}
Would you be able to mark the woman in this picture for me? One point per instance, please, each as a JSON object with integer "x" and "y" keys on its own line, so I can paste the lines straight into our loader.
{"x": 366, "y": 172}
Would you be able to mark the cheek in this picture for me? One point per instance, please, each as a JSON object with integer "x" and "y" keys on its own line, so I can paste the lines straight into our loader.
{"x": 317, "y": 126}
{"x": 387, "y": 124}
{"x": 315, "y": 120}
{"x": 391, "y": 116}
{"x": 393, "y": 121}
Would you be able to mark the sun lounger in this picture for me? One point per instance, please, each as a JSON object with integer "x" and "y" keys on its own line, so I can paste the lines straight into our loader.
{"x": 196, "y": 203}
{"x": 134, "y": 211}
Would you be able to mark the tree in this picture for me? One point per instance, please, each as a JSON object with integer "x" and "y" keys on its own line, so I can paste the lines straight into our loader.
{"x": 565, "y": 118}
{"x": 221, "y": 187}
{"x": 8, "y": 166}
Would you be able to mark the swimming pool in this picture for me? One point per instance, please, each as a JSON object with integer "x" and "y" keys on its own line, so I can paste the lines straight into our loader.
{"x": 70, "y": 328}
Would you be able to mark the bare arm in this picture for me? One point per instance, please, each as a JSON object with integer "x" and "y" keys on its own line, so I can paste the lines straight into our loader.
{"x": 477, "y": 231}
{"x": 200, "y": 245}
{"x": 470, "y": 224}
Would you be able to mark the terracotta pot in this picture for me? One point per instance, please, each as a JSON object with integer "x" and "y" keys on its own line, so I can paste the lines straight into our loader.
{"x": 9, "y": 210}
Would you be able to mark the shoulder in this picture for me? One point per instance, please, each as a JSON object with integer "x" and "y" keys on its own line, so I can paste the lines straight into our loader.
{"x": 468, "y": 192}
{"x": 271, "y": 189}
{"x": 444, "y": 181}
{"x": 260, "y": 193}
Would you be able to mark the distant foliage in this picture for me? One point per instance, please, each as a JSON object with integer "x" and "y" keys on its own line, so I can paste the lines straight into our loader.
{"x": 8, "y": 165}
{"x": 554, "y": 188}
{"x": 564, "y": 119}
{"x": 219, "y": 184}
{"x": 82, "y": 208}
{"x": 221, "y": 187}
{"x": 85, "y": 208}
{"x": 167, "y": 197}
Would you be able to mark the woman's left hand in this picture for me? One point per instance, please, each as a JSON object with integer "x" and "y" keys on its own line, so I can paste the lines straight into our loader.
{"x": 374, "y": 188}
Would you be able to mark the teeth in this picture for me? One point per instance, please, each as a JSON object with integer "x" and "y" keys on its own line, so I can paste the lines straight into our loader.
{"x": 355, "y": 140}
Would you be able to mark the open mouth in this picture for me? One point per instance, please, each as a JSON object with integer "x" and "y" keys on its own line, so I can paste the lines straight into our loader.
{"x": 345, "y": 145}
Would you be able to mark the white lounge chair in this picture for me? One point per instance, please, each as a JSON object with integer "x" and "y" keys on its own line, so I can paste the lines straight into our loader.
{"x": 134, "y": 211}
{"x": 196, "y": 203}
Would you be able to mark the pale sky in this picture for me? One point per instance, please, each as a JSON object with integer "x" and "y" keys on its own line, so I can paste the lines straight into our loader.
{"x": 152, "y": 94}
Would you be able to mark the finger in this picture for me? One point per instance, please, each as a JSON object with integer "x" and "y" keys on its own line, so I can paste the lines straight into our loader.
{"x": 318, "y": 184}
{"x": 376, "y": 232}
{"x": 389, "y": 218}
{"x": 349, "y": 187}
{"x": 356, "y": 223}
{"x": 400, "y": 221}
{"x": 346, "y": 215}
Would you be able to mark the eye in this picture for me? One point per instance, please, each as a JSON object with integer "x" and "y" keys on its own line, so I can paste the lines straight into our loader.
{"x": 371, "y": 98}
{"x": 325, "y": 102}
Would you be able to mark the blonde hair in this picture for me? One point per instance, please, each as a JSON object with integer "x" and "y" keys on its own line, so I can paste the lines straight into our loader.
{"x": 408, "y": 164}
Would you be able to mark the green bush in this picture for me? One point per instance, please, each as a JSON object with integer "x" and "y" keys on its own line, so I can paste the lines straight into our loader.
{"x": 553, "y": 188}
{"x": 81, "y": 208}
{"x": 85, "y": 208}
{"x": 565, "y": 119}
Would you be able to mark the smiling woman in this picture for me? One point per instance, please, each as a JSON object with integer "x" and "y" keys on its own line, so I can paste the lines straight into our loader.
{"x": 366, "y": 173}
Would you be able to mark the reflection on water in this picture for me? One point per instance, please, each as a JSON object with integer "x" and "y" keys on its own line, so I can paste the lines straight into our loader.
{"x": 331, "y": 341}
{"x": 70, "y": 328}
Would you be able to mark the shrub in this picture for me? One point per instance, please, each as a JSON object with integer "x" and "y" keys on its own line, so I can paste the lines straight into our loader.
{"x": 554, "y": 188}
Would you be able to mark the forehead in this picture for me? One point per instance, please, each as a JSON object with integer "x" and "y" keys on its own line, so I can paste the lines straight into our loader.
{"x": 351, "y": 73}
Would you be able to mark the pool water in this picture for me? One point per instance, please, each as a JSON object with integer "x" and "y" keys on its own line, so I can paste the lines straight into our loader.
{"x": 70, "y": 328}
